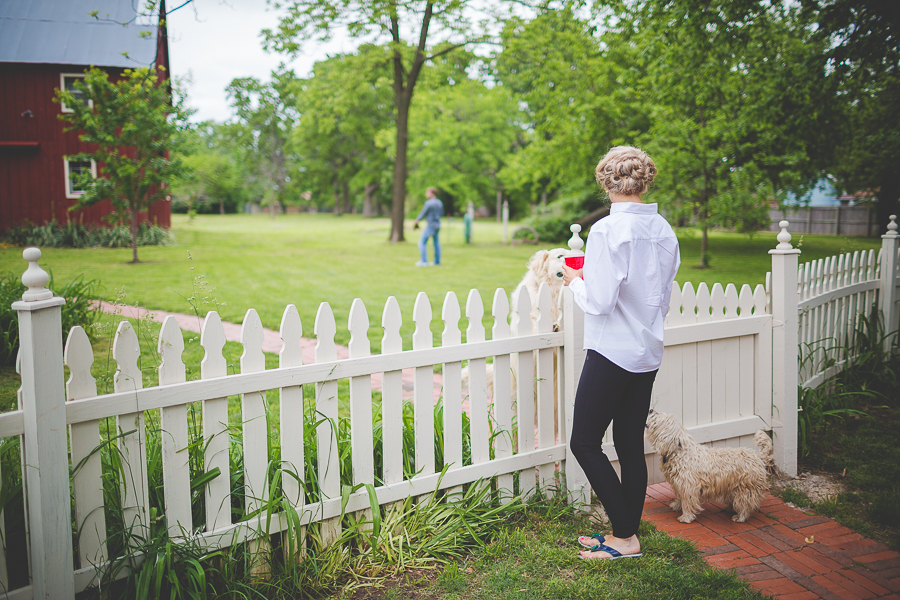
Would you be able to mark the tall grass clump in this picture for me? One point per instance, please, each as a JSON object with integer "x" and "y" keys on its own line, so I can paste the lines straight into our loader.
{"x": 414, "y": 533}
{"x": 870, "y": 374}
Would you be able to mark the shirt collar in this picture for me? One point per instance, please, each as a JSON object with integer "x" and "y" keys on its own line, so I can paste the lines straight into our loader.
{"x": 633, "y": 207}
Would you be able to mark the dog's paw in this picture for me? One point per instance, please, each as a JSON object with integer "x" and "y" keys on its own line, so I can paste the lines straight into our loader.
{"x": 675, "y": 505}
{"x": 687, "y": 518}
{"x": 739, "y": 518}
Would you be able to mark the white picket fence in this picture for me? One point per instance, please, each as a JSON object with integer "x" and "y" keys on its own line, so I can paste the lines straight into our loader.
{"x": 730, "y": 367}
{"x": 835, "y": 293}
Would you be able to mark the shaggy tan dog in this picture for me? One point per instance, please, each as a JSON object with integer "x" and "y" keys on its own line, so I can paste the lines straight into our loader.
{"x": 735, "y": 476}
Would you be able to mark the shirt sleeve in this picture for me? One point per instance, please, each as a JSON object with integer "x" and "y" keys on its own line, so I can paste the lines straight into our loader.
{"x": 423, "y": 211}
{"x": 604, "y": 271}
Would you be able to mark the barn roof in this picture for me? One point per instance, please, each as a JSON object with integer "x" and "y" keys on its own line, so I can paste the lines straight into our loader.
{"x": 62, "y": 32}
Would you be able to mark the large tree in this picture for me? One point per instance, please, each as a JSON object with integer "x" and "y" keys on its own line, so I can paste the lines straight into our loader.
{"x": 266, "y": 115}
{"x": 863, "y": 37}
{"x": 345, "y": 112}
{"x": 381, "y": 20}
{"x": 738, "y": 95}
{"x": 133, "y": 126}
{"x": 462, "y": 134}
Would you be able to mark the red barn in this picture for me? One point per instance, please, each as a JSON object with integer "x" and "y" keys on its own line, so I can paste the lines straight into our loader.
{"x": 45, "y": 45}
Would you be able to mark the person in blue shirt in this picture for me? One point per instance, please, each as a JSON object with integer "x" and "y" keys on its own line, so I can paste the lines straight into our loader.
{"x": 431, "y": 213}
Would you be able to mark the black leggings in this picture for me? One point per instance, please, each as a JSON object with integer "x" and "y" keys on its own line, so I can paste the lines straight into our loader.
{"x": 608, "y": 393}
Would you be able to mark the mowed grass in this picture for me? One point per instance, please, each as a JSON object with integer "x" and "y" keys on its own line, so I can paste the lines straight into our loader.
{"x": 235, "y": 262}
{"x": 536, "y": 557}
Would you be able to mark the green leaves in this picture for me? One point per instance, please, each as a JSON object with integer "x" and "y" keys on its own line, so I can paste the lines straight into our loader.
{"x": 132, "y": 126}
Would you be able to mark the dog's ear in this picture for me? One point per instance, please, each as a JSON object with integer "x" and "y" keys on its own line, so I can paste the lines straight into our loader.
{"x": 538, "y": 261}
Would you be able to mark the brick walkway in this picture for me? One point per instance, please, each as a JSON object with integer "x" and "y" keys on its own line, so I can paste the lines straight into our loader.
{"x": 783, "y": 551}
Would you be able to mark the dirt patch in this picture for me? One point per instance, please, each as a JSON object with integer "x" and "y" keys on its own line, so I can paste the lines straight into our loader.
{"x": 818, "y": 486}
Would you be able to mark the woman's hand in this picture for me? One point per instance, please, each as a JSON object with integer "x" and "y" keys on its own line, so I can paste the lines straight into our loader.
{"x": 569, "y": 274}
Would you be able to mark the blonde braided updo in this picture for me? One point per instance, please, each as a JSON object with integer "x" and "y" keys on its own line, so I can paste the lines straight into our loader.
{"x": 626, "y": 170}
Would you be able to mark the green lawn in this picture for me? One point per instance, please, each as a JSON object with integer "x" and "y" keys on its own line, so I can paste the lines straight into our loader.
{"x": 536, "y": 557}
{"x": 236, "y": 262}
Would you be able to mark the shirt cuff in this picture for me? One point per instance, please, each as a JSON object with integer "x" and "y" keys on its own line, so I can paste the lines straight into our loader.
{"x": 579, "y": 291}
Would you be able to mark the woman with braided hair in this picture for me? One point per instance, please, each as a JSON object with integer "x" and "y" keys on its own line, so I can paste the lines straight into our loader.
{"x": 624, "y": 289}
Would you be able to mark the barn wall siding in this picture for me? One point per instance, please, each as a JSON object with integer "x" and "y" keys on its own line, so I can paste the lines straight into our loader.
{"x": 32, "y": 182}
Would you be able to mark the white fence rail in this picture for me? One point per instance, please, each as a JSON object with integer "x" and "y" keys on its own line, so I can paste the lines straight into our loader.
{"x": 730, "y": 367}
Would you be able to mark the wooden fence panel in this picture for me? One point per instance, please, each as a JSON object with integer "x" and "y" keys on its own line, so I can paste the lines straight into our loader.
{"x": 329, "y": 470}
{"x": 174, "y": 434}
{"x": 215, "y": 426}
{"x": 392, "y": 395}
{"x": 502, "y": 401}
{"x": 132, "y": 441}
{"x": 362, "y": 452}
{"x": 544, "y": 385}
{"x": 291, "y": 413}
{"x": 452, "y": 381}
{"x": 521, "y": 325}
{"x": 253, "y": 417}
{"x": 423, "y": 389}
{"x": 84, "y": 438}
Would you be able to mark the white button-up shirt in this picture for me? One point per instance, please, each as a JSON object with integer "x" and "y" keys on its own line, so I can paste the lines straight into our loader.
{"x": 630, "y": 264}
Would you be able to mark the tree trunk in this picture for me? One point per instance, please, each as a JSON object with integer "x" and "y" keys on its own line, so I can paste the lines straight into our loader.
{"x": 398, "y": 200}
{"x": 888, "y": 203}
{"x": 337, "y": 197}
{"x": 346, "y": 189}
{"x": 134, "y": 239}
{"x": 368, "y": 211}
{"x": 221, "y": 206}
{"x": 704, "y": 246}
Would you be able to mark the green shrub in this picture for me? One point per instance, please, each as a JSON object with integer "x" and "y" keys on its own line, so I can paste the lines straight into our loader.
{"x": 79, "y": 295}
{"x": 77, "y": 235}
{"x": 552, "y": 223}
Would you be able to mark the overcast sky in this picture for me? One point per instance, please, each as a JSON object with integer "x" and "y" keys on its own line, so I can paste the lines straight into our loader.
{"x": 215, "y": 41}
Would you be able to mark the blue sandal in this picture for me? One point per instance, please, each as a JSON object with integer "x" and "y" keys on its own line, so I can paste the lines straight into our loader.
{"x": 613, "y": 553}
{"x": 600, "y": 539}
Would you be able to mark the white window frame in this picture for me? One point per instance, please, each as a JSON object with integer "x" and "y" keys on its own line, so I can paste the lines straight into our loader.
{"x": 70, "y": 194}
{"x": 62, "y": 87}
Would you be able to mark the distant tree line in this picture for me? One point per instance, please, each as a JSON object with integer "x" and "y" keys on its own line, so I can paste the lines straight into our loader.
{"x": 739, "y": 103}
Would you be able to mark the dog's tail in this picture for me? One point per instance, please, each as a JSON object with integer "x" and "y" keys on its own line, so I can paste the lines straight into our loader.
{"x": 764, "y": 443}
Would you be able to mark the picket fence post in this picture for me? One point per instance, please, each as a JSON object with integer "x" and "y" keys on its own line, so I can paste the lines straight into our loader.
{"x": 571, "y": 364}
{"x": 46, "y": 468}
{"x": 785, "y": 351}
{"x": 887, "y": 298}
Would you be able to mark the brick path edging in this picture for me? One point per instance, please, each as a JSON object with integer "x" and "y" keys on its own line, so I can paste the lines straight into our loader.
{"x": 783, "y": 551}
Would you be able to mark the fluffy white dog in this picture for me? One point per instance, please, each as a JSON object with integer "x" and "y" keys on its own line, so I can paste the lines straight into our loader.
{"x": 735, "y": 476}
{"x": 544, "y": 266}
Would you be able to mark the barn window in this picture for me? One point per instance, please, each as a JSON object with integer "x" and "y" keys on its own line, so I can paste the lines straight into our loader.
{"x": 73, "y": 169}
{"x": 67, "y": 82}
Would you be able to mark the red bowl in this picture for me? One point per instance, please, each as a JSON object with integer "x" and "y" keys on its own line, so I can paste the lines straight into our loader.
{"x": 575, "y": 262}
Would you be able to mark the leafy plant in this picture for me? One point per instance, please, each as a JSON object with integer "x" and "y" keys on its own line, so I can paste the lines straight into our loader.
{"x": 77, "y": 235}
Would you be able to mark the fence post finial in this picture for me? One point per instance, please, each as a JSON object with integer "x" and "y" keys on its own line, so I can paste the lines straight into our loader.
{"x": 892, "y": 227}
{"x": 784, "y": 237}
{"x": 35, "y": 278}
{"x": 575, "y": 242}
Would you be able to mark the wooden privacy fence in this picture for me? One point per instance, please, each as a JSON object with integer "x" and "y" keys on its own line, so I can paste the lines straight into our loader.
{"x": 730, "y": 367}
{"x": 828, "y": 220}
